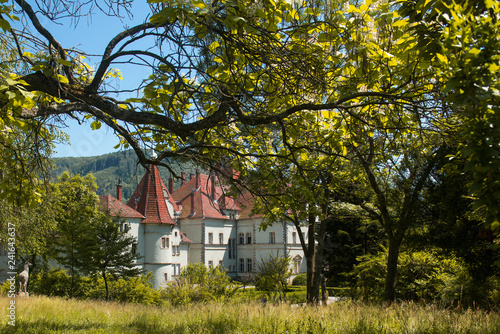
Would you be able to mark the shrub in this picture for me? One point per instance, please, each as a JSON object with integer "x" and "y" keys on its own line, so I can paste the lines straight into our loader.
{"x": 197, "y": 283}
{"x": 421, "y": 276}
{"x": 300, "y": 279}
{"x": 136, "y": 290}
{"x": 273, "y": 274}
{"x": 56, "y": 282}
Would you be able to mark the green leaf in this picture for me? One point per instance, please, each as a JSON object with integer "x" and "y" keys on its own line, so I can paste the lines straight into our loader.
{"x": 199, "y": 4}
{"x": 400, "y": 23}
{"x": 96, "y": 125}
{"x": 64, "y": 62}
{"x": 4, "y": 25}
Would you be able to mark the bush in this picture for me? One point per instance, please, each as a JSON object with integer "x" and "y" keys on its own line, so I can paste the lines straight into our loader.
{"x": 273, "y": 274}
{"x": 197, "y": 283}
{"x": 300, "y": 279}
{"x": 421, "y": 276}
{"x": 136, "y": 290}
{"x": 57, "y": 282}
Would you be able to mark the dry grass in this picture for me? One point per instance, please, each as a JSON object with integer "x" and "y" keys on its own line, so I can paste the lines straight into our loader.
{"x": 54, "y": 315}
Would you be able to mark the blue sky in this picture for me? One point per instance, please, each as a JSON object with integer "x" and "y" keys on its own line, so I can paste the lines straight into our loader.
{"x": 91, "y": 35}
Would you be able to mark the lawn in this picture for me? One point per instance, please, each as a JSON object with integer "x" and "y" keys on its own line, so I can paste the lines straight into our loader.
{"x": 55, "y": 315}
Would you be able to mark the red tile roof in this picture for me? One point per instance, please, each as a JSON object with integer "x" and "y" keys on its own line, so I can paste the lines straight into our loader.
{"x": 203, "y": 196}
{"x": 118, "y": 208}
{"x": 246, "y": 201}
{"x": 185, "y": 239}
{"x": 150, "y": 198}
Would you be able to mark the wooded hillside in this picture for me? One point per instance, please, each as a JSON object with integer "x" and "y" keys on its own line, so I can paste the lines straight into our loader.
{"x": 110, "y": 168}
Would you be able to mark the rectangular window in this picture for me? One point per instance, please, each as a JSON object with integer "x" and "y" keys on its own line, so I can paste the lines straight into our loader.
{"x": 124, "y": 227}
{"x": 210, "y": 238}
{"x": 176, "y": 250}
{"x": 177, "y": 269}
{"x": 165, "y": 277}
{"x": 134, "y": 248}
{"x": 249, "y": 238}
{"x": 272, "y": 237}
{"x": 221, "y": 238}
{"x": 210, "y": 264}
{"x": 165, "y": 242}
{"x": 249, "y": 265}
{"x": 294, "y": 237}
{"x": 242, "y": 265}
{"x": 241, "y": 238}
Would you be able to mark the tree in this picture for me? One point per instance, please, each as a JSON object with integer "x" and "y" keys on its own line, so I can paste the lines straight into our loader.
{"x": 110, "y": 251}
{"x": 462, "y": 42}
{"x": 86, "y": 239}
{"x": 73, "y": 239}
{"x": 248, "y": 64}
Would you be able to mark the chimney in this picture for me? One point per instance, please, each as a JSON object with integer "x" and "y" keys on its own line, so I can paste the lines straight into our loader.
{"x": 119, "y": 190}
{"x": 171, "y": 185}
{"x": 183, "y": 178}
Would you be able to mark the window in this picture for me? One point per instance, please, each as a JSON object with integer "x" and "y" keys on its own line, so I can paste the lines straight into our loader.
{"x": 249, "y": 265}
{"x": 175, "y": 233}
{"x": 176, "y": 250}
{"x": 296, "y": 264}
{"x": 249, "y": 238}
{"x": 124, "y": 227}
{"x": 242, "y": 265}
{"x": 165, "y": 242}
{"x": 272, "y": 237}
{"x": 220, "y": 263}
{"x": 221, "y": 238}
{"x": 177, "y": 269}
{"x": 134, "y": 248}
{"x": 210, "y": 264}
{"x": 165, "y": 277}
{"x": 210, "y": 238}
{"x": 241, "y": 238}
{"x": 294, "y": 237}
{"x": 232, "y": 248}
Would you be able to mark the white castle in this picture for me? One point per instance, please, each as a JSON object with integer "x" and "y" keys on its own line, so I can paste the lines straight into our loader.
{"x": 197, "y": 223}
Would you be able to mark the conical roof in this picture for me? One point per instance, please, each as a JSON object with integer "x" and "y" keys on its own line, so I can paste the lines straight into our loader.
{"x": 150, "y": 199}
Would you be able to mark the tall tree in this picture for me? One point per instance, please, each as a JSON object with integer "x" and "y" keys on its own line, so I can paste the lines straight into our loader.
{"x": 73, "y": 239}
{"x": 461, "y": 40}
{"x": 111, "y": 252}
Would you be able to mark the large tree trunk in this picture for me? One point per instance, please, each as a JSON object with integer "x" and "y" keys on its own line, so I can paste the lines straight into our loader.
{"x": 312, "y": 273}
{"x": 392, "y": 269}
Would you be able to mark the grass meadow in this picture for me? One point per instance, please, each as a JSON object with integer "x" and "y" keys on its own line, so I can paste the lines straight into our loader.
{"x": 56, "y": 315}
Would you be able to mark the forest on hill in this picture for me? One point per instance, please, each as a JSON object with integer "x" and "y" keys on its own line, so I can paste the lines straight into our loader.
{"x": 109, "y": 169}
